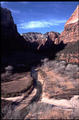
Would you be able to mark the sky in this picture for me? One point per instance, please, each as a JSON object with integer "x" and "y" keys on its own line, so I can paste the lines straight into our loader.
{"x": 40, "y": 16}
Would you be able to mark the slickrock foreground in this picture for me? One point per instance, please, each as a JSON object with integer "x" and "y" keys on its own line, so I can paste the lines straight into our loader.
{"x": 59, "y": 80}
{"x": 17, "y": 87}
{"x": 55, "y": 95}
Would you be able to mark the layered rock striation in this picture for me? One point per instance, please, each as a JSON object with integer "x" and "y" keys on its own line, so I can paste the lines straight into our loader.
{"x": 70, "y": 37}
{"x": 71, "y": 28}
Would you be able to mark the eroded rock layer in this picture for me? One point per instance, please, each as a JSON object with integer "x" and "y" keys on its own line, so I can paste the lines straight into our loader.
{"x": 71, "y": 29}
{"x": 55, "y": 94}
{"x": 58, "y": 79}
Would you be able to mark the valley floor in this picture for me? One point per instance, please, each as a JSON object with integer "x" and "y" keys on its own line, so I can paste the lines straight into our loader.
{"x": 52, "y": 93}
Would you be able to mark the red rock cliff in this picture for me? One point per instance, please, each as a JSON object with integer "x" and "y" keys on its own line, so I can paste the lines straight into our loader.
{"x": 71, "y": 28}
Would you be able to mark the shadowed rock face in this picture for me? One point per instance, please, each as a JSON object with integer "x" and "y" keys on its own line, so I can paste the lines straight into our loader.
{"x": 42, "y": 40}
{"x": 10, "y": 38}
{"x": 8, "y": 29}
{"x": 70, "y": 53}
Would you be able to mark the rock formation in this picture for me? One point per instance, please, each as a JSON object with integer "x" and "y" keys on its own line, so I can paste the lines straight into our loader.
{"x": 39, "y": 40}
{"x": 10, "y": 38}
{"x": 70, "y": 53}
{"x": 70, "y": 36}
{"x": 49, "y": 90}
{"x": 54, "y": 96}
{"x": 74, "y": 18}
{"x": 70, "y": 33}
{"x": 51, "y": 77}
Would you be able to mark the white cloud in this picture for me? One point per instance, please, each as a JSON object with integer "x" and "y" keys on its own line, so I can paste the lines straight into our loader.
{"x": 40, "y": 24}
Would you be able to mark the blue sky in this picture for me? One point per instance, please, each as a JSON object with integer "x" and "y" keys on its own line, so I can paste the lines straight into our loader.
{"x": 40, "y": 16}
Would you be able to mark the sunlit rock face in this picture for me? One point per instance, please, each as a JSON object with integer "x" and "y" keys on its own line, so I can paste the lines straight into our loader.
{"x": 71, "y": 28}
{"x": 74, "y": 18}
{"x": 70, "y": 36}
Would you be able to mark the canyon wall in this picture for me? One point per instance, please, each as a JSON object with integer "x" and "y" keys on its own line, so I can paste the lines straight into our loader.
{"x": 71, "y": 28}
{"x": 10, "y": 38}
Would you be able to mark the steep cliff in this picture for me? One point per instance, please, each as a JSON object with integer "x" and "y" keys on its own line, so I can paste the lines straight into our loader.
{"x": 70, "y": 36}
{"x": 71, "y": 28}
{"x": 10, "y": 38}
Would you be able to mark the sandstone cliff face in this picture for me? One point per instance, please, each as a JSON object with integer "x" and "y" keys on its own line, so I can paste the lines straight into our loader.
{"x": 74, "y": 18}
{"x": 70, "y": 36}
{"x": 70, "y": 33}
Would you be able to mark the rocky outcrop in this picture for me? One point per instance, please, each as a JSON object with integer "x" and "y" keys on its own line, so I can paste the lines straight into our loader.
{"x": 70, "y": 53}
{"x": 56, "y": 97}
{"x": 71, "y": 28}
{"x": 69, "y": 58}
{"x": 39, "y": 40}
{"x": 53, "y": 37}
{"x": 70, "y": 37}
{"x": 22, "y": 82}
{"x": 58, "y": 79}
